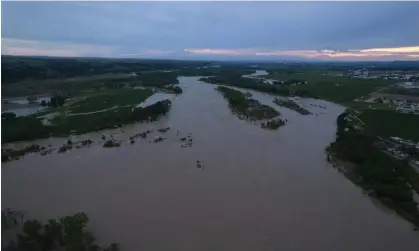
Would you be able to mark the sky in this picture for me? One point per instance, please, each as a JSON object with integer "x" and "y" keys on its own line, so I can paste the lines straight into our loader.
{"x": 355, "y": 31}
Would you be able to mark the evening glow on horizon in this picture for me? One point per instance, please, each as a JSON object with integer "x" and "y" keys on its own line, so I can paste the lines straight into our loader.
{"x": 402, "y": 52}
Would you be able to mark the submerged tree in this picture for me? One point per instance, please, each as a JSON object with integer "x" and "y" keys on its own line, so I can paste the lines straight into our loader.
{"x": 67, "y": 233}
{"x": 31, "y": 99}
{"x": 57, "y": 101}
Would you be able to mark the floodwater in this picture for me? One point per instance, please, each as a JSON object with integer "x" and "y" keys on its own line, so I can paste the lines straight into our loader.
{"x": 21, "y": 107}
{"x": 259, "y": 190}
{"x": 258, "y": 75}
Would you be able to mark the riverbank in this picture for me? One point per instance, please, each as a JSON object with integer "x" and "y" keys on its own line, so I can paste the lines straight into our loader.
{"x": 389, "y": 180}
{"x": 30, "y": 127}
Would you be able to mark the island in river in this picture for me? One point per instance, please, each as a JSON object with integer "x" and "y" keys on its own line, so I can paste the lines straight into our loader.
{"x": 259, "y": 189}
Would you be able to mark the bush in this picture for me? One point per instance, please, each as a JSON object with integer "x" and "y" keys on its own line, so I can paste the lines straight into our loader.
{"x": 8, "y": 115}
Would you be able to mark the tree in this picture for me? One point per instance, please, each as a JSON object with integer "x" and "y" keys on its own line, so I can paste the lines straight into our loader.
{"x": 57, "y": 101}
{"x": 32, "y": 99}
{"x": 8, "y": 115}
{"x": 67, "y": 233}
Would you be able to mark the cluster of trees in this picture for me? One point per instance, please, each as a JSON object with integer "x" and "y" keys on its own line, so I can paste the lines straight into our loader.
{"x": 291, "y": 105}
{"x": 36, "y": 68}
{"x": 152, "y": 112}
{"x": 30, "y": 128}
{"x": 8, "y": 115}
{"x": 13, "y": 154}
{"x": 173, "y": 89}
{"x": 273, "y": 124}
{"x": 235, "y": 79}
{"x": 157, "y": 79}
{"x": 111, "y": 143}
{"x": 289, "y": 82}
{"x": 55, "y": 101}
{"x": 384, "y": 177}
{"x": 246, "y": 107}
{"x": 67, "y": 233}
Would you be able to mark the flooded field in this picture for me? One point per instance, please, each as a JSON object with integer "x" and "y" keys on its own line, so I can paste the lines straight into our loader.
{"x": 21, "y": 107}
{"x": 259, "y": 190}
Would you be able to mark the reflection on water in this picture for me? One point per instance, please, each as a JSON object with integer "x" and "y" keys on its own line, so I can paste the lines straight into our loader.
{"x": 21, "y": 107}
{"x": 260, "y": 190}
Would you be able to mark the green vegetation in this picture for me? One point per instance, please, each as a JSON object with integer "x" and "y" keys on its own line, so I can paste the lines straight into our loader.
{"x": 68, "y": 233}
{"x": 8, "y": 115}
{"x": 402, "y": 91}
{"x": 75, "y": 85}
{"x": 8, "y": 154}
{"x": 359, "y": 105}
{"x": 388, "y": 123}
{"x": 339, "y": 89}
{"x": 250, "y": 109}
{"x": 332, "y": 88}
{"x": 110, "y": 99}
{"x": 233, "y": 79}
{"x": 112, "y": 143}
{"x": 244, "y": 107}
{"x": 30, "y": 128}
{"x": 273, "y": 124}
{"x": 380, "y": 175}
{"x": 173, "y": 89}
{"x": 291, "y": 105}
{"x": 56, "y": 101}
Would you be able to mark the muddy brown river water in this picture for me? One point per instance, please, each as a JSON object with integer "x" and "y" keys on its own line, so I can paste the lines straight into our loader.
{"x": 259, "y": 190}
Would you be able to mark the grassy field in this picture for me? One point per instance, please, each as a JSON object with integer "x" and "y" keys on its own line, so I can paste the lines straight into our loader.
{"x": 387, "y": 123}
{"x": 368, "y": 106}
{"x": 71, "y": 85}
{"x": 109, "y": 99}
{"x": 334, "y": 88}
{"x": 30, "y": 128}
{"x": 402, "y": 91}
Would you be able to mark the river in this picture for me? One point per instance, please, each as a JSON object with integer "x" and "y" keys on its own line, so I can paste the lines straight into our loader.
{"x": 259, "y": 190}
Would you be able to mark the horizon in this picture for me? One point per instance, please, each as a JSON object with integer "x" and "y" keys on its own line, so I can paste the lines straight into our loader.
{"x": 218, "y": 60}
{"x": 223, "y": 31}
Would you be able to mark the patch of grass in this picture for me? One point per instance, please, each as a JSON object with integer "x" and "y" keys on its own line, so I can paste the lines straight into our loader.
{"x": 333, "y": 88}
{"x": 121, "y": 97}
{"x": 23, "y": 128}
{"x": 368, "y": 106}
{"x": 402, "y": 91}
{"x": 387, "y": 123}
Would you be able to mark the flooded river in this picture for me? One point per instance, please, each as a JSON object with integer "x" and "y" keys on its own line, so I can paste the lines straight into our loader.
{"x": 259, "y": 190}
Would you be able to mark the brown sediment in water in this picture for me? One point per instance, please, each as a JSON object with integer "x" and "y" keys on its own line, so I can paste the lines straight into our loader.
{"x": 261, "y": 190}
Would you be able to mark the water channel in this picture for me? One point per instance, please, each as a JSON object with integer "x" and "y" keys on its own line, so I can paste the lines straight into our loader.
{"x": 259, "y": 190}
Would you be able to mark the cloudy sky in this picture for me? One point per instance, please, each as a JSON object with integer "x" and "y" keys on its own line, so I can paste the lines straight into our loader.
{"x": 213, "y": 30}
